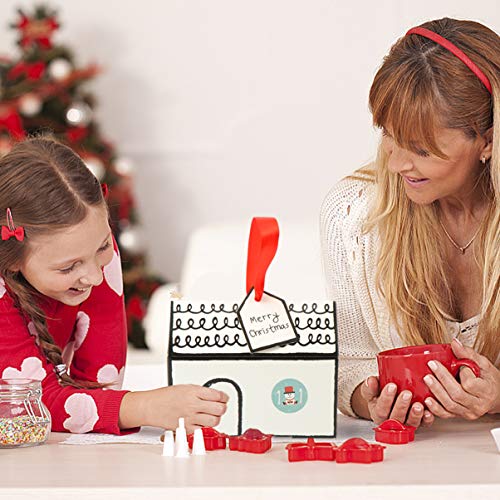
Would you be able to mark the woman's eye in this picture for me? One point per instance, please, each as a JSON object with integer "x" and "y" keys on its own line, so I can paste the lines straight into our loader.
{"x": 421, "y": 152}
{"x": 105, "y": 247}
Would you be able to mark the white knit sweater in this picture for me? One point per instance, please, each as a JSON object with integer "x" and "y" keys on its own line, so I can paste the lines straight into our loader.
{"x": 349, "y": 261}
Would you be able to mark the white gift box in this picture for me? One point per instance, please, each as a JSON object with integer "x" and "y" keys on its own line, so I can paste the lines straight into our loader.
{"x": 288, "y": 390}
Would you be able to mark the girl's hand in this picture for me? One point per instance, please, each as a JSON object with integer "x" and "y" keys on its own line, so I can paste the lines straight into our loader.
{"x": 200, "y": 407}
{"x": 470, "y": 398}
{"x": 383, "y": 404}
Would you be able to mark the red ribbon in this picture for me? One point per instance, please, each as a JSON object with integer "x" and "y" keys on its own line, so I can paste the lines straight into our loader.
{"x": 32, "y": 71}
{"x": 17, "y": 233}
{"x": 262, "y": 246}
{"x": 76, "y": 134}
{"x": 12, "y": 122}
{"x": 35, "y": 31}
{"x": 135, "y": 308}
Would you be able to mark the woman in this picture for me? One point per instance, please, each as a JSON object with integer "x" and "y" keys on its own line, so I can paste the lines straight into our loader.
{"x": 411, "y": 244}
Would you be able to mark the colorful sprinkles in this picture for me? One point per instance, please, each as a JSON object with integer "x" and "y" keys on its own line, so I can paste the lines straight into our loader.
{"x": 18, "y": 431}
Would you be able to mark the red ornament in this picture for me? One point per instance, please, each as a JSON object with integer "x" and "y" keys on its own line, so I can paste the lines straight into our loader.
{"x": 135, "y": 308}
{"x": 76, "y": 134}
{"x": 121, "y": 198}
{"x": 11, "y": 121}
{"x": 299, "y": 452}
{"x": 36, "y": 31}
{"x": 251, "y": 441}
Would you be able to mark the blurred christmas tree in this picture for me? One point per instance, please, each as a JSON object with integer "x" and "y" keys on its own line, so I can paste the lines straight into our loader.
{"x": 41, "y": 91}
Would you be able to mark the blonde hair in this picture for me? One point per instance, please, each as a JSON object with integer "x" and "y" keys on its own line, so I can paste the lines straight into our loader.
{"x": 419, "y": 87}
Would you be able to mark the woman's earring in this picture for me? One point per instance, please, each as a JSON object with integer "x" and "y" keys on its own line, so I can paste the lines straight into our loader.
{"x": 483, "y": 160}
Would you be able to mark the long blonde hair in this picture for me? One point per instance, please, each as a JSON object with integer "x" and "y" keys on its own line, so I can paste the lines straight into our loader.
{"x": 420, "y": 87}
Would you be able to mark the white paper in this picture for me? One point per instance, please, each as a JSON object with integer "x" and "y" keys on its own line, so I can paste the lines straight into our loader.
{"x": 147, "y": 435}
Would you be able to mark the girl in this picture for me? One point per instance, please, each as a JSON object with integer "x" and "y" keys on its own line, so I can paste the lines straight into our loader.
{"x": 411, "y": 244}
{"x": 61, "y": 300}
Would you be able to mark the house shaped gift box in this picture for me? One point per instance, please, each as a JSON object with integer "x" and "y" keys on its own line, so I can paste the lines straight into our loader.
{"x": 287, "y": 390}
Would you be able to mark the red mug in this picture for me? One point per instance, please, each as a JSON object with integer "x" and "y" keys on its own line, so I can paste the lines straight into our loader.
{"x": 407, "y": 366}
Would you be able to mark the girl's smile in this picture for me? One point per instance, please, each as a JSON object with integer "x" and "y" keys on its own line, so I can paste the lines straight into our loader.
{"x": 67, "y": 264}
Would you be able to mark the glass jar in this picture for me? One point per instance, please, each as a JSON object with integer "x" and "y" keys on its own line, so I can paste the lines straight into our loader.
{"x": 24, "y": 419}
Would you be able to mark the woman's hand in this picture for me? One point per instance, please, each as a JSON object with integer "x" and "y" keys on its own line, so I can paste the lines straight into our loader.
{"x": 199, "y": 406}
{"x": 470, "y": 398}
{"x": 384, "y": 404}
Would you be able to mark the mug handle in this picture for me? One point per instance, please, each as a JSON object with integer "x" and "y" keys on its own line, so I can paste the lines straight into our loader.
{"x": 456, "y": 364}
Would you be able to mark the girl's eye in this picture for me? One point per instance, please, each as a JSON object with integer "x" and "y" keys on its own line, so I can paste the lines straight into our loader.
{"x": 67, "y": 270}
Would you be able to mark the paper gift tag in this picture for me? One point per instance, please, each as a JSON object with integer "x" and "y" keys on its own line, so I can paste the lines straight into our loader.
{"x": 266, "y": 323}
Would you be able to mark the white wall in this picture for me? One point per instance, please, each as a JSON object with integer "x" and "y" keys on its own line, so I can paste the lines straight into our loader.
{"x": 235, "y": 108}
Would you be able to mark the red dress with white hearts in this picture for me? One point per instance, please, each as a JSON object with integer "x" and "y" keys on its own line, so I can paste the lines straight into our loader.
{"x": 93, "y": 338}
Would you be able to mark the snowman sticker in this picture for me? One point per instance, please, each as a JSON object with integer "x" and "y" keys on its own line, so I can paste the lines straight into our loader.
{"x": 289, "y": 395}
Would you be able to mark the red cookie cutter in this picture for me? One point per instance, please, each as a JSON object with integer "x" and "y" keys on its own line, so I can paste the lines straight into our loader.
{"x": 251, "y": 441}
{"x": 357, "y": 450}
{"x": 392, "y": 431}
{"x": 299, "y": 452}
{"x": 214, "y": 440}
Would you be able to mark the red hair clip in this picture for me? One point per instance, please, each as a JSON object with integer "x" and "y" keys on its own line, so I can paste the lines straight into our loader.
{"x": 105, "y": 190}
{"x": 10, "y": 230}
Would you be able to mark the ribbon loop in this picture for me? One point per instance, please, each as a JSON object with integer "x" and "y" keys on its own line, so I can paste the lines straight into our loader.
{"x": 262, "y": 246}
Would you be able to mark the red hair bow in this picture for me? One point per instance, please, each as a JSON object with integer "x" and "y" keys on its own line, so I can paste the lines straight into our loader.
{"x": 11, "y": 230}
{"x": 17, "y": 233}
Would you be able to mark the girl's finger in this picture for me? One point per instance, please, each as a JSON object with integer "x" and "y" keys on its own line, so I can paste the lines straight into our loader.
{"x": 212, "y": 408}
{"x": 205, "y": 420}
{"x": 209, "y": 394}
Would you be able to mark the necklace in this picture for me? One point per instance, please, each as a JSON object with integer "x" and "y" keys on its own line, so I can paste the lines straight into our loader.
{"x": 455, "y": 244}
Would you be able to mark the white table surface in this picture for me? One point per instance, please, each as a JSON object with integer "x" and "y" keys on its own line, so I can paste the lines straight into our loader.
{"x": 452, "y": 460}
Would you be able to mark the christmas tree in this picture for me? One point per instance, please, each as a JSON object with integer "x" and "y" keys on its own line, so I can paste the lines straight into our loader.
{"x": 41, "y": 91}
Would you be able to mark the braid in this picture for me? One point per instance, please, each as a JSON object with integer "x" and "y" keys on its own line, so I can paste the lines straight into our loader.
{"x": 35, "y": 166}
{"x": 25, "y": 298}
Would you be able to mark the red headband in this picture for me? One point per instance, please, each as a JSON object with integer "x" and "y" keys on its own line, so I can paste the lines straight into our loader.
{"x": 454, "y": 50}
